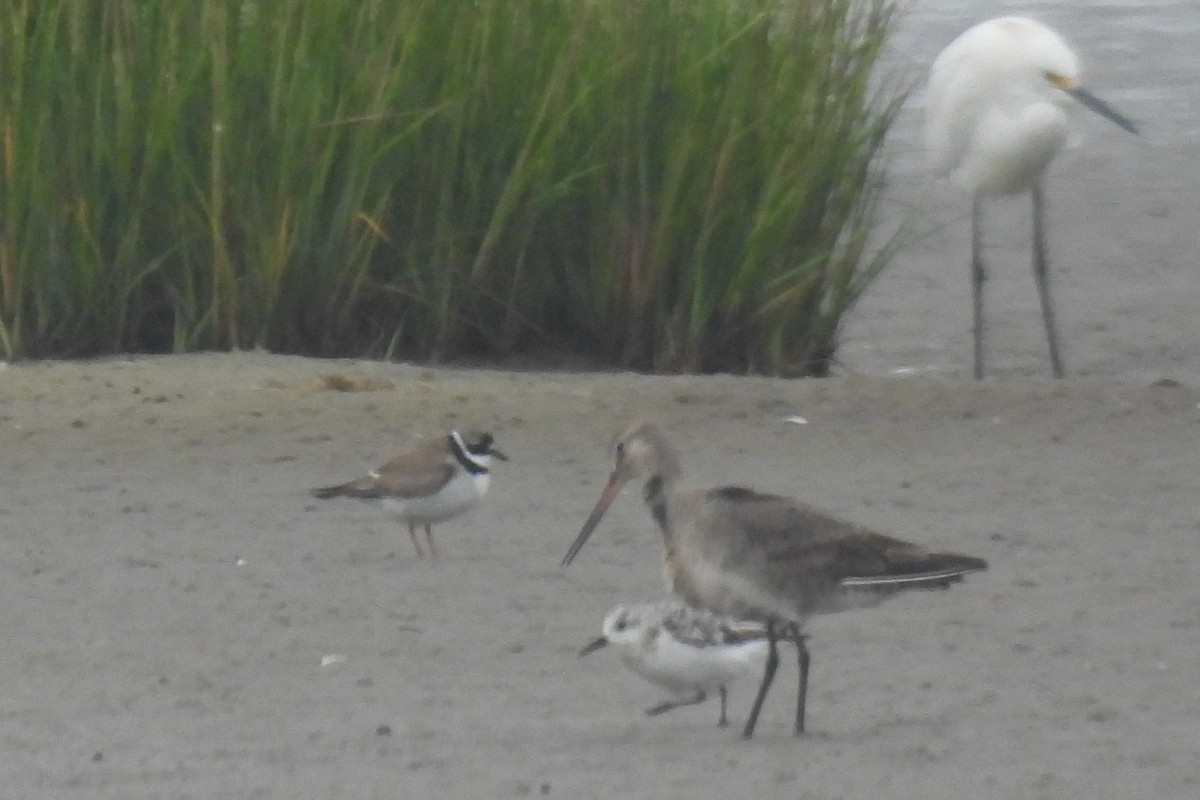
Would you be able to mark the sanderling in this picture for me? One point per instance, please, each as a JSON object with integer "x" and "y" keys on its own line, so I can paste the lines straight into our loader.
{"x": 687, "y": 651}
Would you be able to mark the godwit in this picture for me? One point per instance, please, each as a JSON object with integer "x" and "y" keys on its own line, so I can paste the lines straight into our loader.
{"x": 688, "y": 651}
{"x": 997, "y": 101}
{"x": 431, "y": 483}
{"x": 763, "y": 557}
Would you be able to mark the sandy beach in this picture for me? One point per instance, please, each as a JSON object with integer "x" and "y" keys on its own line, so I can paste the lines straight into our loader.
{"x": 171, "y": 592}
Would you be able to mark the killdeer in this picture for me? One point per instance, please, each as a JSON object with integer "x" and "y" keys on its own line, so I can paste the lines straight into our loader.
{"x": 764, "y": 557}
{"x": 688, "y": 651}
{"x": 431, "y": 483}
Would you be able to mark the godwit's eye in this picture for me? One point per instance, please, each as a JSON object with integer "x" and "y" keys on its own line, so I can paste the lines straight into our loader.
{"x": 621, "y": 624}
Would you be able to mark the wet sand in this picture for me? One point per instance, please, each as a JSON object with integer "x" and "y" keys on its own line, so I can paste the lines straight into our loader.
{"x": 171, "y": 592}
{"x": 180, "y": 619}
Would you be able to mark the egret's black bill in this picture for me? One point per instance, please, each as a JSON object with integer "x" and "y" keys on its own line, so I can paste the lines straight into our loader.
{"x": 1102, "y": 108}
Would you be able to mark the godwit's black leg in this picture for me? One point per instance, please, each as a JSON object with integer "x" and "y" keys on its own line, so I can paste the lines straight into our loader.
{"x": 768, "y": 676}
{"x": 802, "y": 692}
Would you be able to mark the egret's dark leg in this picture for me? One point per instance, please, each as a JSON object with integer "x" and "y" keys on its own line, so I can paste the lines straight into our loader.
{"x": 768, "y": 676}
{"x": 723, "y": 720}
{"x": 412, "y": 534}
{"x": 802, "y": 692}
{"x": 1041, "y": 274}
{"x": 977, "y": 278}
{"x": 664, "y": 707}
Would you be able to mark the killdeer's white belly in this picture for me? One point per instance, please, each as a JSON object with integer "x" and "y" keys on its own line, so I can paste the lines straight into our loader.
{"x": 460, "y": 494}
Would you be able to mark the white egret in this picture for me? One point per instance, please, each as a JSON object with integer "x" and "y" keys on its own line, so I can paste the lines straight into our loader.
{"x": 998, "y": 98}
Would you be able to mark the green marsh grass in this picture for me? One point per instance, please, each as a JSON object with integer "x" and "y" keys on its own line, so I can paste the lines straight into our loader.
{"x": 669, "y": 185}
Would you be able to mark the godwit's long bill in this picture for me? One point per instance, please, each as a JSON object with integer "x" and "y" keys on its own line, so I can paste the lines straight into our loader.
{"x": 764, "y": 557}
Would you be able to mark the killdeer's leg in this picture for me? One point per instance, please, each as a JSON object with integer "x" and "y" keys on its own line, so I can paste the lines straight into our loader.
{"x": 412, "y": 534}
{"x": 663, "y": 707}
{"x": 724, "y": 720}
{"x": 429, "y": 538}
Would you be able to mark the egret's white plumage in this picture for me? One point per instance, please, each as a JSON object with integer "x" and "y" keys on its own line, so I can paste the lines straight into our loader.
{"x": 998, "y": 104}
{"x": 688, "y": 651}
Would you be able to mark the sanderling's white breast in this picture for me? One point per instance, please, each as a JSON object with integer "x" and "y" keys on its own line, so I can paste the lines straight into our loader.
{"x": 687, "y": 651}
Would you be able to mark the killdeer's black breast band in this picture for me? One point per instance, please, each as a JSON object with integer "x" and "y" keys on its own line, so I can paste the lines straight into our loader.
{"x": 464, "y": 458}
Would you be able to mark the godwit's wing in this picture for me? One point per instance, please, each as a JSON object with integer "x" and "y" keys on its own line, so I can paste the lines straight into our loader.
{"x": 808, "y": 560}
